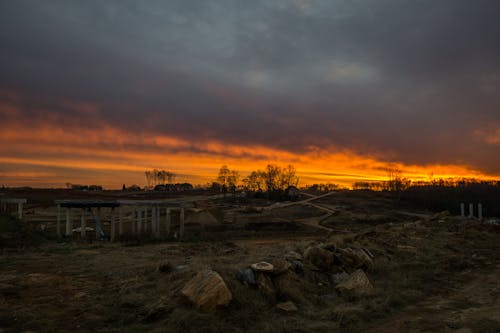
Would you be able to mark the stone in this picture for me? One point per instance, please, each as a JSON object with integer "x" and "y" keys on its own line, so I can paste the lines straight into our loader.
{"x": 158, "y": 310}
{"x": 247, "y": 277}
{"x": 262, "y": 267}
{"x": 298, "y": 266}
{"x": 357, "y": 284}
{"x": 355, "y": 258}
{"x": 321, "y": 258}
{"x": 290, "y": 286}
{"x": 207, "y": 291}
{"x": 292, "y": 255}
{"x": 266, "y": 287}
{"x": 287, "y": 306}
{"x": 441, "y": 215}
{"x": 280, "y": 266}
{"x": 337, "y": 278}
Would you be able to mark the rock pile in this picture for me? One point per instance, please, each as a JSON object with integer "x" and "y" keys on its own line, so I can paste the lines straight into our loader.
{"x": 322, "y": 269}
{"x": 283, "y": 281}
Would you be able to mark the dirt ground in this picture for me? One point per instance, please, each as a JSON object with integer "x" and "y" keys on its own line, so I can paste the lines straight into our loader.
{"x": 430, "y": 273}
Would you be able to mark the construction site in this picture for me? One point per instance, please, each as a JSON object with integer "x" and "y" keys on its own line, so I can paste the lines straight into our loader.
{"x": 342, "y": 261}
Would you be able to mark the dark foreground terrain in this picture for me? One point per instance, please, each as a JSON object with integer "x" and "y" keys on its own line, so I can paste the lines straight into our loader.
{"x": 420, "y": 272}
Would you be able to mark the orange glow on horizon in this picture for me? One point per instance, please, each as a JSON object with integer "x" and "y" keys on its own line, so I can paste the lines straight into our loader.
{"x": 111, "y": 157}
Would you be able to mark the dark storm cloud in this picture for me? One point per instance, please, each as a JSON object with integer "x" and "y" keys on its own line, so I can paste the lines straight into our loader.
{"x": 409, "y": 81}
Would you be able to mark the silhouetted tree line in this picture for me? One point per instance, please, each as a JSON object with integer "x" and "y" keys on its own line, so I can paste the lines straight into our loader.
{"x": 448, "y": 194}
{"x": 441, "y": 194}
{"x": 321, "y": 188}
{"x": 273, "y": 182}
{"x": 159, "y": 177}
{"x": 178, "y": 187}
{"x": 84, "y": 187}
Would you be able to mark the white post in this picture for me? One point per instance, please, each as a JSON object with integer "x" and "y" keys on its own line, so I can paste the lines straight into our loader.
{"x": 471, "y": 210}
{"x": 58, "y": 221}
{"x": 153, "y": 220}
{"x": 157, "y": 227}
{"x": 132, "y": 219}
{"x": 480, "y": 211}
{"x": 169, "y": 220}
{"x": 68, "y": 222}
{"x": 462, "y": 209}
{"x": 139, "y": 221}
{"x": 112, "y": 232}
{"x": 20, "y": 210}
{"x": 181, "y": 223}
{"x": 82, "y": 224}
{"x": 120, "y": 221}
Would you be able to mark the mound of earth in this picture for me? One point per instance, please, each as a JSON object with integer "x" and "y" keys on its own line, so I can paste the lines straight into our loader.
{"x": 17, "y": 233}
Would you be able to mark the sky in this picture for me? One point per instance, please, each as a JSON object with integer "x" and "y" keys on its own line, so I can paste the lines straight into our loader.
{"x": 98, "y": 91}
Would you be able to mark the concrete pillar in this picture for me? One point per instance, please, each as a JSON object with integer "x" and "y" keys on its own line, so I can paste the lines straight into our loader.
{"x": 58, "y": 221}
{"x": 120, "y": 221}
{"x": 20, "y": 210}
{"x": 112, "y": 226}
{"x": 169, "y": 221}
{"x": 480, "y": 211}
{"x": 157, "y": 227}
{"x": 69, "y": 223}
{"x": 98, "y": 227}
{"x": 139, "y": 221}
{"x": 132, "y": 220}
{"x": 181, "y": 223}
{"x": 153, "y": 218}
{"x": 471, "y": 210}
{"x": 82, "y": 224}
{"x": 462, "y": 209}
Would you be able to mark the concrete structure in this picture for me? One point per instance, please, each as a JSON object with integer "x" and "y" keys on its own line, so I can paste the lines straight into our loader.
{"x": 138, "y": 212}
{"x": 5, "y": 202}
{"x": 471, "y": 210}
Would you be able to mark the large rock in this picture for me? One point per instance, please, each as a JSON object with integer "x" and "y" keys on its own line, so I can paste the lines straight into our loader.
{"x": 441, "y": 216}
{"x": 357, "y": 284}
{"x": 321, "y": 258}
{"x": 290, "y": 286}
{"x": 356, "y": 258}
{"x": 280, "y": 266}
{"x": 247, "y": 277}
{"x": 292, "y": 255}
{"x": 207, "y": 291}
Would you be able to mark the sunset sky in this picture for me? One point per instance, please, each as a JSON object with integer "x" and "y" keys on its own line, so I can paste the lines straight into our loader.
{"x": 96, "y": 91}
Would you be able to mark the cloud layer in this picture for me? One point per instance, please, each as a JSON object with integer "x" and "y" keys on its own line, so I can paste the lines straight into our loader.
{"x": 413, "y": 82}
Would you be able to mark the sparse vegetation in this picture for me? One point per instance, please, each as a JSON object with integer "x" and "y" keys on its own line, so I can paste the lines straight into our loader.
{"x": 417, "y": 260}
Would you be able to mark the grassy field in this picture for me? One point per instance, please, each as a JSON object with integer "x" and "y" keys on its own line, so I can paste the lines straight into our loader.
{"x": 434, "y": 274}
